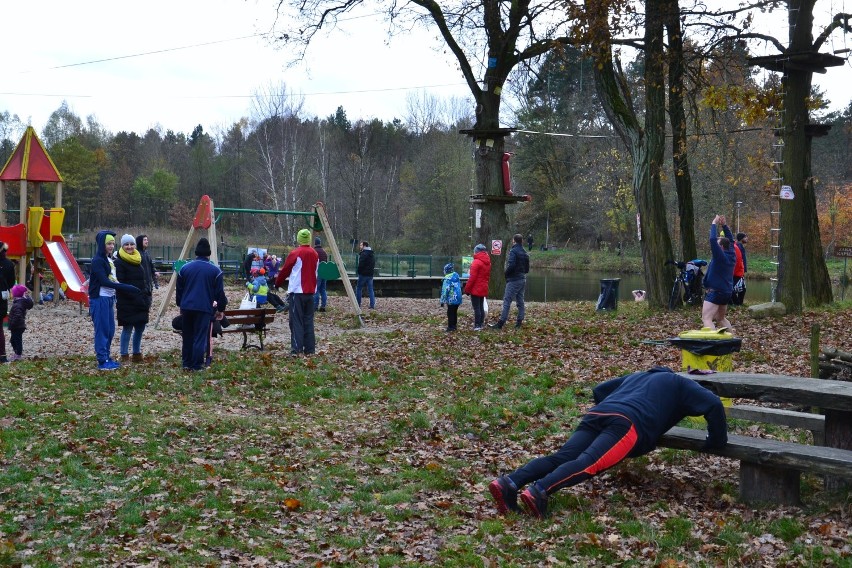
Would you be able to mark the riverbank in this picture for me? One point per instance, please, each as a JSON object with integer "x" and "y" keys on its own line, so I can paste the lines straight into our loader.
{"x": 760, "y": 267}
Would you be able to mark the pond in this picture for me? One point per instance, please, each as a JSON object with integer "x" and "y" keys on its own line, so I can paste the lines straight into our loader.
{"x": 555, "y": 285}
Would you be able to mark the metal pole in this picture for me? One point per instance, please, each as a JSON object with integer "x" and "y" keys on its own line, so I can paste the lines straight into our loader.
{"x": 739, "y": 204}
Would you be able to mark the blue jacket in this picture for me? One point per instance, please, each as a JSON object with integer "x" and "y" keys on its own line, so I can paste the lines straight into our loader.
{"x": 199, "y": 284}
{"x": 451, "y": 292}
{"x": 518, "y": 263}
{"x": 657, "y": 399}
{"x": 720, "y": 273}
{"x": 101, "y": 271}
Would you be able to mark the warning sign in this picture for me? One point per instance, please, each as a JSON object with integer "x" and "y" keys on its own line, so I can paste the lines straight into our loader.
{"x": 496, "y": 248}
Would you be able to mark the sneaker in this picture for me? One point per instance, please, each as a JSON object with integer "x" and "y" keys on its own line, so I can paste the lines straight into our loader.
{"x": 477, "y": 329}
{"x": 108, "y": 365}
{"x": 3, "y": 359}
{"x": 498, "y": 325}
{"x": 505, "y": 496}
{"x": 14, "y": 357}
{"x": 518, "y": 325}
{"x": 322, "y": 309}
{"x": 535, "y": 500}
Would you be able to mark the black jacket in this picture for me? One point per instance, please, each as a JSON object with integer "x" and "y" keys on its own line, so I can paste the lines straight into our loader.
{"x": 366, "y": 262}
{"x": 7, "y": 280}
{"x": 518, "y": 263}
{"x": 131, "y": 308}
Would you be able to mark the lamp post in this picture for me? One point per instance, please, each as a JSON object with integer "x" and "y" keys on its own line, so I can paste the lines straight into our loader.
{"x": 739, "y": 204}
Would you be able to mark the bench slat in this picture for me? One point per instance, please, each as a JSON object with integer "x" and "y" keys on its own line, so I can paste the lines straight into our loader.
{"x": 781, "y": 417}
{"x": 762, "y": 451}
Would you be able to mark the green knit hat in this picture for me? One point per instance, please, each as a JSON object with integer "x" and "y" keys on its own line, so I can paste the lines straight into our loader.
{"x": 304, "y": 237}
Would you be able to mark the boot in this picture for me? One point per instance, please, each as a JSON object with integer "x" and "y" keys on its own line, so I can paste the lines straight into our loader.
{"x": 137, "y": 358}
{"x": 498, "y": 325}
{"x": 125, "y": 358}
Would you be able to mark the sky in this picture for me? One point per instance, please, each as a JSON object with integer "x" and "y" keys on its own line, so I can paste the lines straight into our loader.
{"x": 181, "y": 63}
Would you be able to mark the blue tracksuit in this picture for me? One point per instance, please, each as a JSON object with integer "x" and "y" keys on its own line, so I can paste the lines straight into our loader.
{"x": 199, "y": 284}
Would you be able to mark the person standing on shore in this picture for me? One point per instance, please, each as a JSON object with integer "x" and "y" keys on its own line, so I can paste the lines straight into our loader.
{"x": 366, "y": 269}
{"x": 517, "y": 267}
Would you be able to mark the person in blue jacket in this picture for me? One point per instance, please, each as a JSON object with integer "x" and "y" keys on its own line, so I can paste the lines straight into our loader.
{"x": 102, "y": 287}
{"x": 200, "y": 295}
{"x": 451, "y": 295}
{"x": 629, "y": 416}
{"x": 719, "y": 280}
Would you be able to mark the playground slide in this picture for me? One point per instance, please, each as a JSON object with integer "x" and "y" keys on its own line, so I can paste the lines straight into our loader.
{"x": 65, "y": 269}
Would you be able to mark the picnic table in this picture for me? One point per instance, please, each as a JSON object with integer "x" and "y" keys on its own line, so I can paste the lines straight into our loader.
{"x": 770, "y": 469}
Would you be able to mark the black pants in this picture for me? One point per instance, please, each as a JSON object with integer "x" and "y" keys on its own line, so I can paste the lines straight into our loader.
{"x": 452, "y": 317}
{"x": 17, "y": 341}
{"x": 302, "y": 339}
{"x": 275, "y": 300}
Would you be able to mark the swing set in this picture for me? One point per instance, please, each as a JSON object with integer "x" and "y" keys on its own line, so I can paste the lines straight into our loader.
{"x": 317, "y": 220}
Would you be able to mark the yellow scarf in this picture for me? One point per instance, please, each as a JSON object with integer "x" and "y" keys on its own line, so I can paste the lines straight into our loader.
{"x": 134, "y": 258}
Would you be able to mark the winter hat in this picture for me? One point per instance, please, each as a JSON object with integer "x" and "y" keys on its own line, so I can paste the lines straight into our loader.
{"x": 448, "y": 268}
{"x": 479, "y": 248}
{"x": 303, "y": 237}
{"x": 4, "y": 247}
{"x": 18, "y": 291}
{"x": 109, "y": 239}
{"x": 741, "y": 236}
{"x": 317, "y": 241}
{"x": 262, "y": 271}
{"x": 203, "y": 247}
{"x": 127, "y": 239}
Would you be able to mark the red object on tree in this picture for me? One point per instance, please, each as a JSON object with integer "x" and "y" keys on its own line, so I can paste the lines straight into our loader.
{"x": 507, "y": 177}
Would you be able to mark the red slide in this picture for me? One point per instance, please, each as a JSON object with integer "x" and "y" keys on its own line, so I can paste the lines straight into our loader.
{"x": 67, "y": 272}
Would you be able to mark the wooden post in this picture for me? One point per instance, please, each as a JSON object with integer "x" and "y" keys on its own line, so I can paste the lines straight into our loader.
{"x": 338, "y": 260}
{"x": 173, "y": 280}
{"x": 815, "y": 350}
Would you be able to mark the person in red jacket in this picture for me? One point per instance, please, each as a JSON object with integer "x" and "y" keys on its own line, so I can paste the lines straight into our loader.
{"x": 301, "y": 270}
{"x": 477, "y": 284}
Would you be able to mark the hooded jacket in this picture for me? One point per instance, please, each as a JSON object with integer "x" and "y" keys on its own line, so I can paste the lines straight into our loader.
{"x": 480, "y": 274}
{"x": 147, "y": 266}
{"x": 132, "y": 309}
{"x": 101, "y": 272}
{"x": 451, "y": 293}
{"x": 518, "y": 263}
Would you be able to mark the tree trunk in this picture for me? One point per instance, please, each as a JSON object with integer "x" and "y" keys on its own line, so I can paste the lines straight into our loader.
{"x": 816, "y": 281}
{"x": 677, "y": 118}
{"x": 797, "y": 86}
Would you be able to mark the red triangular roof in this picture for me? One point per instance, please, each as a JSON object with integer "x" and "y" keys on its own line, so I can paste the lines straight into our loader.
{"x": 30, "y": 161}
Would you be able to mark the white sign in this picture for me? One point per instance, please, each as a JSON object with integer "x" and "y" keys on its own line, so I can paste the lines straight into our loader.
{"x": 638, "y": 227}
{"x": 786, "y": 192}
{"x": 496, "y": 248}
{"x": 478, "y": 218}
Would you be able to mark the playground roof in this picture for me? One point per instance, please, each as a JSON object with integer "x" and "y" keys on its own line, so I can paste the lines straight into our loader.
{"x": 30, "y": 161}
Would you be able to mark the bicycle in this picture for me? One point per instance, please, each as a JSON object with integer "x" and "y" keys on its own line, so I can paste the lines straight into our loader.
{"x": 690, "y": 277}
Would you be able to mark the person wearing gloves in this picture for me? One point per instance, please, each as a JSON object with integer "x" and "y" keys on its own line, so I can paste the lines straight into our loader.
{"x": 451, "y": 295}
{"x": 200, "y": 295}
{"x": 477, "y": 284}
{"x": 629, "y": 416}
{"x": 103, "y": 285}
{"x": 300, "y": 268}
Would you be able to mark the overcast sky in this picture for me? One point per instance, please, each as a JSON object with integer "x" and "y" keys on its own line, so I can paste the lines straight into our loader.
{"x": 180, "y": 63}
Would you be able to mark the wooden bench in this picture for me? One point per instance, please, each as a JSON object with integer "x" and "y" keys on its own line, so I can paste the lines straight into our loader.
{"x": 250, "y": 322}
{"x": 770, "y": 470}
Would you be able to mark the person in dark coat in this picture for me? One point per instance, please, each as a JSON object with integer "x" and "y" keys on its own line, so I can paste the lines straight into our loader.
{"x": 200, "y": 295}
{"x": 517, "y": 267}
{"x": 365, "y": 271}
{"x": 147, "y": 263}
{"x": 629, "y": 416}
{"x": 719, "y": 280}
{"x": 7, "y": 280}
{"x": 18, "y": 319}
{"x": 132, "y": 309}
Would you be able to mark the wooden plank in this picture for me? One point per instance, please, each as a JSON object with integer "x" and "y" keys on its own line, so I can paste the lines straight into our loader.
{"x": 762, "y": 451}
{"x": 778, "y": 416}
{"x": 822, "y": 393}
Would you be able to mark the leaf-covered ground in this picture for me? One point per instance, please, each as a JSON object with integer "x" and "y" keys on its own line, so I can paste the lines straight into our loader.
{"x": 378, "y": 450}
